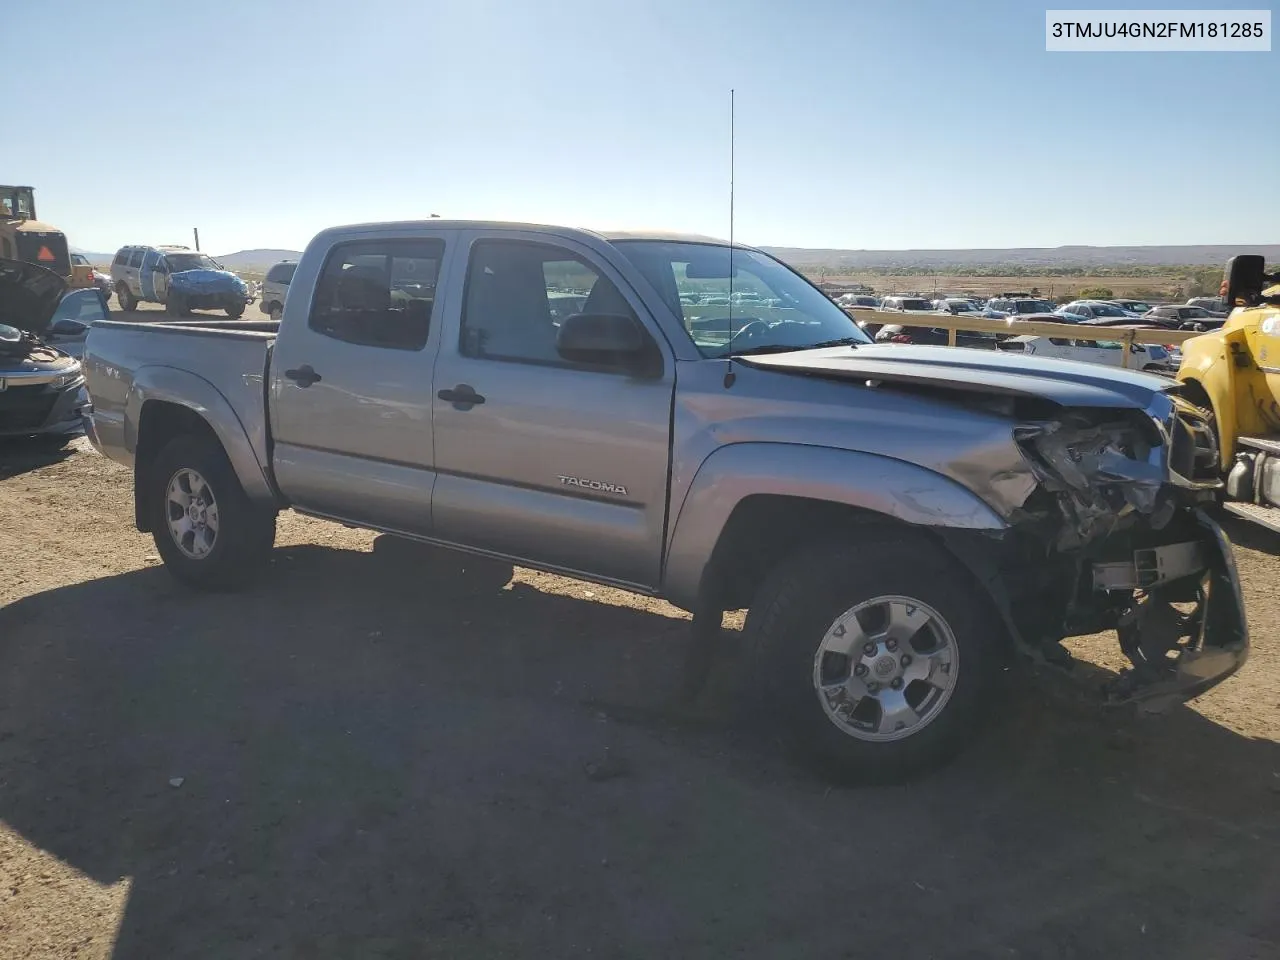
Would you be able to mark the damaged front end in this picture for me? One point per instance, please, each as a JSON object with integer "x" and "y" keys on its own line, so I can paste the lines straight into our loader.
{"x": 1115, "y": 537}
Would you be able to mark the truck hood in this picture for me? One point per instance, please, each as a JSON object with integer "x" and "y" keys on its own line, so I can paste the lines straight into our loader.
{"x": 1065, "y": 382}
{"x": 29, "y": 295}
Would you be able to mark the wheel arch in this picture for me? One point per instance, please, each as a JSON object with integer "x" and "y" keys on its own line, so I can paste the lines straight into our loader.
{"x": 164, "y": 403}
{"x": 751, "y": 503}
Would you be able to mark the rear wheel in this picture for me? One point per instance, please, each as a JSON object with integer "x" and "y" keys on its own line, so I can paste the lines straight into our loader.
{"x": 210, "y": 535}
{"x": 174, "y": 305}
{"x": 236, "y": 311}
{"x": 277, "y": 312}
{"x": 880, "y": 654}
{"x": 128, "y": 302}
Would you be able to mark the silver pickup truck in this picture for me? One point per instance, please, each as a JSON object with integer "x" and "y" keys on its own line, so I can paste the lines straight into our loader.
{"x": 680, "y": 418}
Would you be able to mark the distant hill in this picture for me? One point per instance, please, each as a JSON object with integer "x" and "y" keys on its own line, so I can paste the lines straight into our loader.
{"x": 1206, "y": 255}
{"x": 240, "y": 260}
{"x": 1192, "y": 255}
{"x": 246, "y": 259}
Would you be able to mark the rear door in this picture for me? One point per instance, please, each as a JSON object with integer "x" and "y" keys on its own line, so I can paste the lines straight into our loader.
{"x": 147, "y": 275}
{"x": 351, "y": 384}
{"x": 538, "y": 458}
{"x": 1106, "y": 352}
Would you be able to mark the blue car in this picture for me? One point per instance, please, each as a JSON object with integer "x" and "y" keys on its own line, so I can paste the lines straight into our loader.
{"x": 180, "y": 278}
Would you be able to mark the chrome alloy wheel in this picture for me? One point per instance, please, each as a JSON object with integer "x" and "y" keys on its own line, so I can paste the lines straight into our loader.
{"x": 886, "y": 668}
{"x": 192, "y": 513}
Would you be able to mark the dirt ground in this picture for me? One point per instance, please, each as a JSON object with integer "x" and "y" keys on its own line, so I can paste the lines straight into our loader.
{"x": 348, "y": 762}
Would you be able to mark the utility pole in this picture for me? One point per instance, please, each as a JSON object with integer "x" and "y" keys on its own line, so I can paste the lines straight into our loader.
{"x": 196, "y": 231}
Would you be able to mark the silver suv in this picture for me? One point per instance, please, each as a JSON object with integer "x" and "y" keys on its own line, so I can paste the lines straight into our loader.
{"x": 275, "y": 286}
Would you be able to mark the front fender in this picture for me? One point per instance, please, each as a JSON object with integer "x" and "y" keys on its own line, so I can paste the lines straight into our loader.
{"x": 1206, "y": 361}
{"x": 894, "y": 488}
{"x": 186, "y": 389}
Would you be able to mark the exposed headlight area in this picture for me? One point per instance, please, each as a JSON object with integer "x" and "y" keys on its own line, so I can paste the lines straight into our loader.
{"x": 1102, "y": 468}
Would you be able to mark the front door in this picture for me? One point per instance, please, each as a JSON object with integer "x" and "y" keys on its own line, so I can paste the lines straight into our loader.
{"x": 538, "y": 458}
{"x": 160, "y": 280}
{"x": 351, "y": 386}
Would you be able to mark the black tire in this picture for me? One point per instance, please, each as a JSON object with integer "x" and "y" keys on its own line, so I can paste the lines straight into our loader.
{"x": 276, "y": 312}
{"x": 804, "y": 597}
{"x": 174, "y": 306}
{"x": 236, "y": 311}
{"x": 245, "y": 532}
{"x": 126, "y": 298}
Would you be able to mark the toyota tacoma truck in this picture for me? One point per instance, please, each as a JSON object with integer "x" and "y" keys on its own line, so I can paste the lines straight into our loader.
{"x": 707, "y": 427}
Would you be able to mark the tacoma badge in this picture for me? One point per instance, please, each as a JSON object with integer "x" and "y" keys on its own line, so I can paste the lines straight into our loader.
{"x": 592, "y": 485}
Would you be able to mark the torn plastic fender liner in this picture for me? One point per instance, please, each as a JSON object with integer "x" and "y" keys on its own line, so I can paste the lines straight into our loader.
{"x": 1217, "y": 643}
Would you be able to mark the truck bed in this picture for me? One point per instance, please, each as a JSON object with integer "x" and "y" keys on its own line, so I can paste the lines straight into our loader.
{"x": 207, "y": 361}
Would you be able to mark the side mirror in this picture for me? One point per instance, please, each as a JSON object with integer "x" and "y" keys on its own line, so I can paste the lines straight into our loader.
{"x": 607, "y": 340}
{"x": 1244, "y": 279}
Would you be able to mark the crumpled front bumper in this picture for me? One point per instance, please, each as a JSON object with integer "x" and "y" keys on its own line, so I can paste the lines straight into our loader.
{"x": 1176, "y": 656}
{"x": 1219, "y": 645}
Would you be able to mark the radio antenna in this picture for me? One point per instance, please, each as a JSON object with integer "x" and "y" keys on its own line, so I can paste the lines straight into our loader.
{"x": 729, "y": 375}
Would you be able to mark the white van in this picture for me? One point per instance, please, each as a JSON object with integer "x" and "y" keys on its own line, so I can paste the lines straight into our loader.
{"x": 1142, "y": 356}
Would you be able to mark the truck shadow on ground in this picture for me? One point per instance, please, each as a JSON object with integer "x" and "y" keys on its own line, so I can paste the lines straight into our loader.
{"x": 26, "y": 454}
{"x": 377, "y": 766}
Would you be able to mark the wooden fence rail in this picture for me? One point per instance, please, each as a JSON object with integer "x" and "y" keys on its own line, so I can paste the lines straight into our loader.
{"x": 1068, "y": 331}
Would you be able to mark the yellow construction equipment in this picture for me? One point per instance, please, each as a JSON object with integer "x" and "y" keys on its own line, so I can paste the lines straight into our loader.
{"x": 23, "y": 237}
{"x": 1234, "y": 374}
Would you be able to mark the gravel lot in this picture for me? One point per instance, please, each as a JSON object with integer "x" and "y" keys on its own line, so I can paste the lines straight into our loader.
{"x": 347, "y": 762}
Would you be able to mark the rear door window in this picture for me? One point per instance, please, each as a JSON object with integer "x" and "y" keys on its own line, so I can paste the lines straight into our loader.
{"x": 378, "y": 293}
{"x": 281, "y": 273}
{"x": 136, "y": 259}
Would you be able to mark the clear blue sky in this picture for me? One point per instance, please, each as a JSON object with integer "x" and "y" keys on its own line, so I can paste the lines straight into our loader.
{"x": 860, "y": 124}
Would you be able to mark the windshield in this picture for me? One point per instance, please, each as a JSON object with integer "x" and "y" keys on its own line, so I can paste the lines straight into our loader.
{"x": 17, "y": 202}
{"x": 764, "y": 305}
{"x": 190, "y": 261}
{"x": 1033, "y": 306}
{"x": 1106, "y": 310}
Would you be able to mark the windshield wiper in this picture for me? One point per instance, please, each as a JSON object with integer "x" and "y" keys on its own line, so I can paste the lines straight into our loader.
{"x": 794, "y": 348}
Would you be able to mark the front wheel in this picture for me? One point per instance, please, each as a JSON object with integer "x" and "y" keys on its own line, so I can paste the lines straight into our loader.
{"x": 208, "y": 532}
{"x": 128, "y": 302}
{"x": 277, "y": 312}
{"x": 879, "y": 654}
{"x": 174, "y": 306}
{"x": 235, "y": 311}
